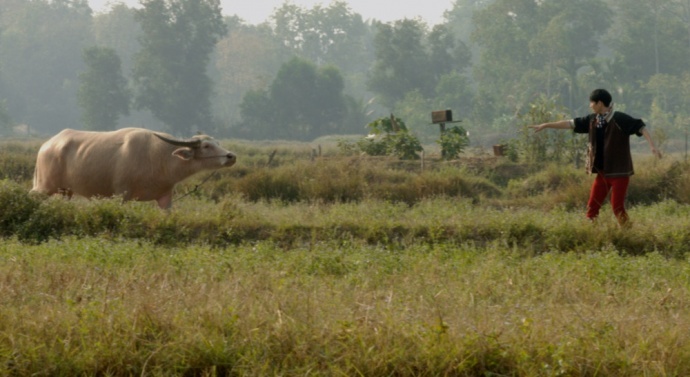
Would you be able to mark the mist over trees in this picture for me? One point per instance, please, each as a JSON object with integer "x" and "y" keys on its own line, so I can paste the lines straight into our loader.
{"x": 169, "y": 72}
{"x": 303, "y": 102}
{"x": 182, "y": 66}
{"x": 103, "y": 94}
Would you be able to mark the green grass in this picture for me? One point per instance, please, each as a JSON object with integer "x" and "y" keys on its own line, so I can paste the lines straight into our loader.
{"x": 661, "y": 227}
{"x": 348, "y": 266}
{"x": 91, "y": 306}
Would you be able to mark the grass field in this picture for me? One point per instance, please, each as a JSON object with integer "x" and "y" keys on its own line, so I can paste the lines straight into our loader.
{"x": 347, "y": 267}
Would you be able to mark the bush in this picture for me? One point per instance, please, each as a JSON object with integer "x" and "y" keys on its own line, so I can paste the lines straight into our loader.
{"x": 453, "y": 142}
{"x": 551, "y": 145}
{"x": 405, "y": 146}
{"x": 389, "y": 137}
{"x": 271, "y": 184}
{"x": 17, "y": 207}
{"x": 372, "y": 147}
{"x": 17, "y": 161}
{"x": 53, "y": 218}
{"x": 552, "y": 179}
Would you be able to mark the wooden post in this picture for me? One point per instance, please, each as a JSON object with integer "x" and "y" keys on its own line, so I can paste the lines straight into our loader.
{"x": 442, "y": 126}
{"x": 271, "y": 156}
{"x": 686, "y": 145}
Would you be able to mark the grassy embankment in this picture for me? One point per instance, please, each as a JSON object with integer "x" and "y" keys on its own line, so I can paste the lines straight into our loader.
{"x": 473, "y": 270}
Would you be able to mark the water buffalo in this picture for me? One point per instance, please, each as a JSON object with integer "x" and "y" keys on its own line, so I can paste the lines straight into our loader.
{"x": 136, "y": 163}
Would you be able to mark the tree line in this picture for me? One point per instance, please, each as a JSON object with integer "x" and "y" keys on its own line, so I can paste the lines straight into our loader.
{"x": 181, "y": 66}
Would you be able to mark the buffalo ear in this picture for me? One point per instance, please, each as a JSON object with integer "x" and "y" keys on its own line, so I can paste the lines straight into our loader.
{"x": 183, "y": 153}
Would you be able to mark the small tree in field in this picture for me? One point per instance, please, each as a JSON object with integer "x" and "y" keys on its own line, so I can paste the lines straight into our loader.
{"x": 453, "y": 141}
{"x": 546, "y": 146}
{"x": 389, "y": 136}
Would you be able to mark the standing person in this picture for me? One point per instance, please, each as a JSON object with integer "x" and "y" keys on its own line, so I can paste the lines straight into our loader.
{"x": 609, "y": 151}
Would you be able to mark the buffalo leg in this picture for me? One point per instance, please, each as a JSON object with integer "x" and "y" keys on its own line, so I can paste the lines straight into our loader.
{"x": 65, "y": 192}
{"x": 165, "y": 202}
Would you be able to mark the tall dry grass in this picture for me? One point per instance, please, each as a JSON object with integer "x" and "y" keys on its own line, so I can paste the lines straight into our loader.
{"x": 349, "y": 266}
{"x": 294, "y": 176}
{"x": 97, "y": 307}
{"x": 234, "y": 220}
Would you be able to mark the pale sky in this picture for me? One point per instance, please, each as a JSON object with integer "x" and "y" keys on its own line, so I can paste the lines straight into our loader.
{"x": 258, "y": 11}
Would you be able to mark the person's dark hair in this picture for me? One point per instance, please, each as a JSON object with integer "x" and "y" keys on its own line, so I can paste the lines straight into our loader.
{"x": 601, "y": 95}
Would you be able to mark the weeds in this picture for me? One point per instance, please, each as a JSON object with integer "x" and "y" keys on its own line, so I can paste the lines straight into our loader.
{"x": 389, "y": 223}
{"x": 90, "y": 306}
{"x": 350, "y": 266}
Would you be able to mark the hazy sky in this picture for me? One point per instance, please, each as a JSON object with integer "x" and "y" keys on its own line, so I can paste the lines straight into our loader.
{"x": 257, "y": 11}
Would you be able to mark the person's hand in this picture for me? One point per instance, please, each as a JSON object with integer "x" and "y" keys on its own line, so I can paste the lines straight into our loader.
{"x": 538, "y": 127}
{"x": 656, "y": 152}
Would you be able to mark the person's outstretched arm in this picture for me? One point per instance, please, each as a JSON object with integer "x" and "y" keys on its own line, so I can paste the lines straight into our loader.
{"x": 647, "y": 136}
{"x": 561, "y": 125}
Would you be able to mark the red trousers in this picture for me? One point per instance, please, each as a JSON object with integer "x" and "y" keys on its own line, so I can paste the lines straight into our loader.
{"x": 618, "y": 187}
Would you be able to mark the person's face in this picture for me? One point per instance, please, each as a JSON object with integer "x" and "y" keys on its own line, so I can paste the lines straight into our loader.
{"x": 598, "y": 107}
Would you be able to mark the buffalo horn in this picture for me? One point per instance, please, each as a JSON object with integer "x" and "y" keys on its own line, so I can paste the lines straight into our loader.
{"x": 194, "y": 143}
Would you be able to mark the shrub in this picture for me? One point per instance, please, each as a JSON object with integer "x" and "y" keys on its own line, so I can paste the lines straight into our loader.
{"x": 676, "y": 182}
{"x": 108, "y": 216}
{"x": 552, "y": 179}
{"x": 17, "y": 207}
{"x": 557, "y": 146}
{"x": 404, "y": 145}
{"x": 271, "y": 184}
{"x": 17, "y": 161}
{"x": 389, "y": 136}
{"x": 53, "y": 218}
{"x": 372, "y": 147}
{"x": 453, "y": 142}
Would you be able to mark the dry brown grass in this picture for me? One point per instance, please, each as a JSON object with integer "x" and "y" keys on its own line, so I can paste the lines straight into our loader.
{"x": 419, "y": 274}
{"x": 98, "y": 307}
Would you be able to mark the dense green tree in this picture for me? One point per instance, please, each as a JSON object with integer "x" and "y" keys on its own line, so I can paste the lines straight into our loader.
{"x": 650, "y": 38}
{"x": 329, "y": 35}
{"x": 446, "y": 53}
{"x": 450, "y": 57}
{"x": 454, "y": 91}
{"x": 40, "y": 55}
{"x": 460, "y": 17}
{"x": 670, "y": 104}
{"x": 568, "y": 41}
{"x": 248, "y": 58}
{"x": 410, "y": 65}
{"x": 531, "y": 48}
{"x": 303, "y": 102}
{"x": 460, "y": 20}
{"x": 325, "y": 35}
{"x": 176, "y": 49}
{"x": 119, "y": 30}
{"x": 682, "y": 11}
{"x": 402, "y": 62}
{"x": 103, "y": 93}
{"x": 410, "y": 59}
{"x": 503, "y": 32}
{"x": 170, "y": 70}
